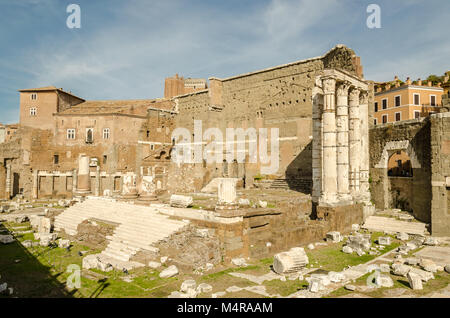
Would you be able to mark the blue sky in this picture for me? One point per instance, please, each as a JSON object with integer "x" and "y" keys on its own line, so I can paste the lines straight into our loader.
{"x": 125, "y": 48}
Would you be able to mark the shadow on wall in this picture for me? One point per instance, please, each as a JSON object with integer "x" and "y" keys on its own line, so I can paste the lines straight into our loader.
{"x": 26, "y": 275}
{"x": 299, "y": 171}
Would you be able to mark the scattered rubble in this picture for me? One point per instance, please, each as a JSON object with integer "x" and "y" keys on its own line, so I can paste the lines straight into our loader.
{"x": 63, "y": 243}
{"x": 154, "y": 265}
{"x": 402, "y": 236}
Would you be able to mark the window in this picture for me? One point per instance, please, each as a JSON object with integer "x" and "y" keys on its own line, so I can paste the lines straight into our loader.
{"x": 398, "y": 116}
{"x": 385, "y": 104}
{"x": 376, "y": 107}
{"x": 152, "y": 147}
{"x": 105, "y": 159}
{"x": 433, "y": 100}
{"x": 55, "y": 159}
{"x": 89, "y": 135}
{"x": 148, "y": 133}
{"x": 33, "y": 96}
{"x": 375, "y": 121}
{"x": 417, "y": 114}
{"x": 33, "y": 111}
{"x": 70, "y": 133}
{"x": 385, "y": 119}
{"x": 106, "y": 133}
{"x": 397, "y": 101}
{"x": 416, "y": 99}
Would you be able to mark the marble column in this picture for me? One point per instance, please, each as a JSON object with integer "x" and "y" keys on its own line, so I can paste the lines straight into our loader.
{"x": 317, "y": 146}
{"x": 83, "y": 178}
{"x": 342, "y": 142}
{"x": 329, "y": 170}
{"x": 355, "y": 141}
{"x": 97, "y": 182}
{"x": 226, "y": 193}
{"x": 147, "y": 189}
{"x": 35, "y": 184}
{"x": 8, "y": 181}
{"x": 364, "y": 158}
{"x": 74, "y": 180}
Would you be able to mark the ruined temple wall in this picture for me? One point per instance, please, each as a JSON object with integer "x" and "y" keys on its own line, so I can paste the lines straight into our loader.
{"x": 440, "y": 150}
{"x": 413, "y": 137}
{"x": 279, "y": 97}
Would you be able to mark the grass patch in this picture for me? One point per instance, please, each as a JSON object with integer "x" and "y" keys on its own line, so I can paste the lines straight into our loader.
{"x": 286, "y": 288}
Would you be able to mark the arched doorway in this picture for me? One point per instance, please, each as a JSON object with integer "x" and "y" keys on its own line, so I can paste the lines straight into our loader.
{"x": 400, "y": 176}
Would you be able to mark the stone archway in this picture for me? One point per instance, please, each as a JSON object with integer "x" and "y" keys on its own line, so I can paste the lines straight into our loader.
{"x": 398, "y": 188}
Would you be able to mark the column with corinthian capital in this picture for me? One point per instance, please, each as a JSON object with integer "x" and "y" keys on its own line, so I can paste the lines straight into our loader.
{"x": 364, "y": 157}
{"x": 355, "y": 141}
{"x": 342, "y": 142}
{"x": 329, "y": 167}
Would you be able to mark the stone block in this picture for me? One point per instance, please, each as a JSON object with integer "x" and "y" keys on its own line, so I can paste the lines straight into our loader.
{"x": 63, "y": 243}
{"x": 6, "y": 239}
{"x": 402, "y": 236}
{"x": 334, "y": 237}
{"x": 188, "y": 284}
{"x": 384, "y": 240}
{"x": 170, "y": 271}
{"x": 291, "y": 261}
{"x": 181, "y": 201}
{"x": 154, "y": 265}
{"x": 415, "y": 281}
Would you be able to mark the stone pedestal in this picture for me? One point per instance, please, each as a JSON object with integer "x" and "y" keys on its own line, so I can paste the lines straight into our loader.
{"x": 227, "y": 194}
{"x": 83, "y": 178}
{"x": 129, "y": 189}
{"x": 147, "y": 190}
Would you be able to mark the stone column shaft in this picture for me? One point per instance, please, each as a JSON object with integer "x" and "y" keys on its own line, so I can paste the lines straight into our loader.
{"x": 317, "y": 147}
{"x": 364, "y": 158}
{"x": 35, "y": 184}
{"x": 8, "y": 181}
{"x": 97, "y": 182}
{"x": 84, "y": 178}
{"x": 355, "y": 141}
{"x": 329, "y": 168}
{"x": 342, "y": 142}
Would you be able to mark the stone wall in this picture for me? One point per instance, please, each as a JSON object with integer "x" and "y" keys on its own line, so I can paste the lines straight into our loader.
{"x": 278, "y": 97}
{"x": 413, "y": 137}
{"x": 440, "y": 182}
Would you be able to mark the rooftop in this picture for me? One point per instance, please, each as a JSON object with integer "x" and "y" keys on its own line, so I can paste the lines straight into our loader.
{"x": 48, "y": 89}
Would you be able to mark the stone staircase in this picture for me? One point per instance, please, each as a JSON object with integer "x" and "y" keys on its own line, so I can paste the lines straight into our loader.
{"x": 303, "y": 185}
{"x": 139, "y": 226}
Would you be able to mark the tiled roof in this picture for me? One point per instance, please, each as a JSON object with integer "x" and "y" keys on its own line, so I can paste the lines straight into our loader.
{"x": 131, "y": 107}
{"x": 48, "y": 88}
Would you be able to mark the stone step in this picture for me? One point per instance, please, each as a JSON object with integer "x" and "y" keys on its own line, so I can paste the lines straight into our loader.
{"x": 142, "y": 236}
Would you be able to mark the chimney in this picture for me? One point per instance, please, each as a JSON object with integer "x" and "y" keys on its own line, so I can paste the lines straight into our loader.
{"x": 379, "y": 89}
{"x": 396, "y": 78}
{"x": 430, "y": 83}
{"x": 419, "y": 82}
{"x": 388, "y": 86}
{"x": 397, "y": 84}
{"x": 408, "y": 81}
